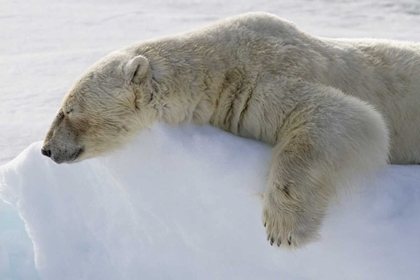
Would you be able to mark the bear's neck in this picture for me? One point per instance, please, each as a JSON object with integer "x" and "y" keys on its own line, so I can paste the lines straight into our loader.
{"x": 188, "y": 80}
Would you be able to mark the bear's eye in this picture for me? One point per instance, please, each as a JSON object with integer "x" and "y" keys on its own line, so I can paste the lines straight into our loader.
{"x": 69, "y": 111}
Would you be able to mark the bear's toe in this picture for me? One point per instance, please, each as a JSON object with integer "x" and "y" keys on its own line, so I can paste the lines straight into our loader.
{"x": 287, "y": 229}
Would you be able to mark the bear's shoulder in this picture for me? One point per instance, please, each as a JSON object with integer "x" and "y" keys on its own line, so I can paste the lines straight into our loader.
{"x": 255, "y": 21}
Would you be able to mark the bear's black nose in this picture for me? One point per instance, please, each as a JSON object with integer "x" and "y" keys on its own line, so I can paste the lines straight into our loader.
{"x": 46, "y": 152}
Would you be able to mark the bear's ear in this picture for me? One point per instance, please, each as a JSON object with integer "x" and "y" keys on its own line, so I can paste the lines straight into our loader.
{"x": 137, "y": 69}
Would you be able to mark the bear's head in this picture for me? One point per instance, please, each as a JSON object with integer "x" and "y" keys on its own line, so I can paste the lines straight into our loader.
{"x": 105, "y": 108}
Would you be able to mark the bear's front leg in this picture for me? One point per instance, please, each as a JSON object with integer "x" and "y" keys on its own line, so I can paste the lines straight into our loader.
{"x": 296, "y": 196}
{"x": 327, "y": 140}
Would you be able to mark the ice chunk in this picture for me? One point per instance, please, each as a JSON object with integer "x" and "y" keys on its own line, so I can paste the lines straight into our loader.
{"x": 181, "y": 203}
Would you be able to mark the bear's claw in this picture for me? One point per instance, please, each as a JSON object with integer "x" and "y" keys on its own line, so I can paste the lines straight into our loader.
{"x": 287, "y": 227}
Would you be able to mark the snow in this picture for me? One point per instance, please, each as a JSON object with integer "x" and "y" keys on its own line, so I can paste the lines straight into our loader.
{"x": 182, "y": 203}
{"x": 179, "y": 203}
{"x": 140, "y": 212}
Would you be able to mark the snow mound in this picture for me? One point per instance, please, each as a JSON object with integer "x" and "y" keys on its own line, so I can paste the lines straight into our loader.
{"x": 181, "y": 203}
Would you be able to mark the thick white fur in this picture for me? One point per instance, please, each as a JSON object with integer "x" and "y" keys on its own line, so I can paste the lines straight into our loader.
{"x": 325, "y": 105}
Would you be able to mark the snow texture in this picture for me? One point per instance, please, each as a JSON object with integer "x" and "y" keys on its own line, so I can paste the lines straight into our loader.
{"x": 179, "y": 203}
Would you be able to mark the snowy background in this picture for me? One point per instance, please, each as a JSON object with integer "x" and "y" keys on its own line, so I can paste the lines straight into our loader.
{"x": 179, "y": 203}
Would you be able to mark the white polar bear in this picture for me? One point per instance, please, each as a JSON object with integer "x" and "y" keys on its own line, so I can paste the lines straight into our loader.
{"x": 325, "y": 105}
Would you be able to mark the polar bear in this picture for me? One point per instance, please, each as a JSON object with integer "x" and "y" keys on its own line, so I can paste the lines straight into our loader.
{"x": 333, "y": 109}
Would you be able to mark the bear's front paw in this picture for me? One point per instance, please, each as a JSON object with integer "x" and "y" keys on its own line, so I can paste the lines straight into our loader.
{"x": 288, "y": 224}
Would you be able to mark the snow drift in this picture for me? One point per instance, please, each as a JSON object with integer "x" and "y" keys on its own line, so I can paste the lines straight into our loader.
{"x": 181, "y": 203}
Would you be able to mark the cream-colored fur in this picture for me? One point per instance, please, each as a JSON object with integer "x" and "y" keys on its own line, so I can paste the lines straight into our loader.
{"x": 325, "y": 106}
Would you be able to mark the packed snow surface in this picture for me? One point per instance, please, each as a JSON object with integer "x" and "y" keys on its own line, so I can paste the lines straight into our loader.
{"x": 178, "y": 203}
{"x": 182, "y": 203}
